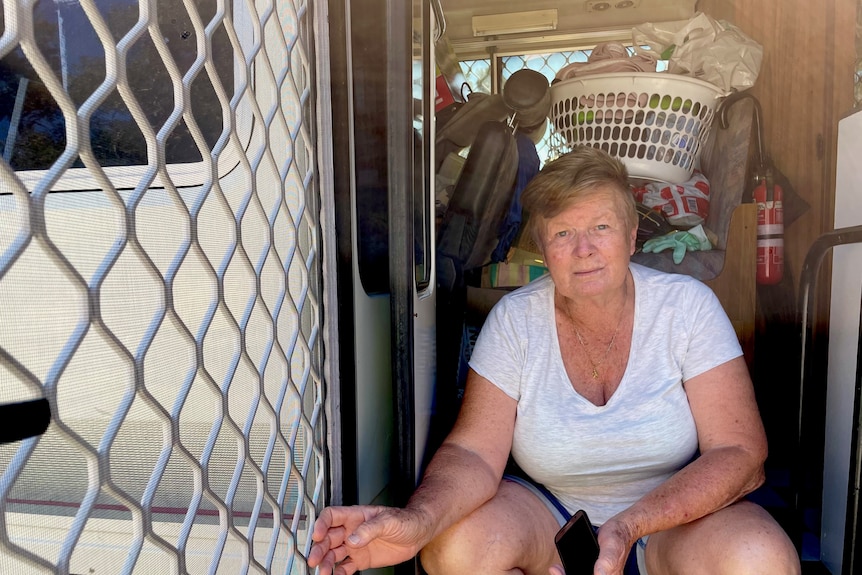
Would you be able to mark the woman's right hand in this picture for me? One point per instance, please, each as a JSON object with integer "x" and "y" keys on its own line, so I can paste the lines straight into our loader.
{"x": 349, "y": 539}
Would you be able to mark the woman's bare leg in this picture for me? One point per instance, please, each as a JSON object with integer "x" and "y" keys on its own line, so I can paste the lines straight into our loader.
{"x": 742, "y": 539}
{"x": 512, "y": 533}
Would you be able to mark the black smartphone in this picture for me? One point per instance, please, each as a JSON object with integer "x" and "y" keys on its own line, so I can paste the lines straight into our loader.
{"x": 577, "y": 544}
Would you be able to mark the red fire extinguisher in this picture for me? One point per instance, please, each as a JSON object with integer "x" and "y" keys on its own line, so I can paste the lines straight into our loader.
{"x": 770, "y": 230}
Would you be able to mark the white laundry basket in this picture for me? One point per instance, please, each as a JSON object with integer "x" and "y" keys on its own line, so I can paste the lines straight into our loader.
{"x": 656, "y": 123}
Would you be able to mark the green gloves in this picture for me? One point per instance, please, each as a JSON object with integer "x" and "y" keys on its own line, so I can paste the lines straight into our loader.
{"x": 693, "y": 240}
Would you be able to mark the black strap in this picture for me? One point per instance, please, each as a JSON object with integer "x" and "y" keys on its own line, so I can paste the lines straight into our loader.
{"x": 22, "y": 420}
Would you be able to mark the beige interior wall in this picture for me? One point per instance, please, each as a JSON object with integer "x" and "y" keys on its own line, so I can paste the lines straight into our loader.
{"x": 805, "y": 86}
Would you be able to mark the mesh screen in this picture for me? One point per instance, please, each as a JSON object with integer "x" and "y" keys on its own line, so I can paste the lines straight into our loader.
{"x": 551, "y": 145}
{"x": 478, "y": 75}
{"x": 160, "y": 285}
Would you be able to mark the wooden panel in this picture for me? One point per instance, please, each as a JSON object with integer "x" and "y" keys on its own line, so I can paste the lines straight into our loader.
{"x": 805, "y": 86}
{"x": 735, "y": 286}
{"x": 790, "y": 88}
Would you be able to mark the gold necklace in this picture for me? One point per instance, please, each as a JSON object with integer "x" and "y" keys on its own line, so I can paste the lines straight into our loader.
{"x": 595, "y": 365}
{"x": 607, "y": 351}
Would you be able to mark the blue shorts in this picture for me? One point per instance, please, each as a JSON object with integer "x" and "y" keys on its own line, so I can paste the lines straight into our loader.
{"x": 635, "y": 564}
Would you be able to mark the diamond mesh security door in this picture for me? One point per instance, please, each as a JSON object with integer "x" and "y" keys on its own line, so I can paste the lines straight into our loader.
{"x": 161, "y": 285}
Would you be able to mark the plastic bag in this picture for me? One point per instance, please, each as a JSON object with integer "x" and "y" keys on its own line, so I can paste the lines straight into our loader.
{"x": 684, "y": 205}
{"x": 704, "y": 48}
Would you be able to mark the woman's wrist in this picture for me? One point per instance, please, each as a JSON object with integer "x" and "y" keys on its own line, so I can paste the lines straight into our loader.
{"x": 625, "y": 526}
{"x": 424, "y": 520}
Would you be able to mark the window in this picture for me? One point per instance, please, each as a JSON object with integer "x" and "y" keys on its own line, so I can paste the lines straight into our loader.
{"x": 32, "y": 125}
{"x": 479, "y": 72}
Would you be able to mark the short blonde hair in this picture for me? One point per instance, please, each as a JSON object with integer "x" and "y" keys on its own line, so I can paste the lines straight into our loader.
{"x": 571, "y": 177}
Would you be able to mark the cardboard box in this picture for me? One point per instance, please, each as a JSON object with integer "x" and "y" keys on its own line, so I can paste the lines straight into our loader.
{"x": 510, "y": 275}
{"x": 523, "y": 240}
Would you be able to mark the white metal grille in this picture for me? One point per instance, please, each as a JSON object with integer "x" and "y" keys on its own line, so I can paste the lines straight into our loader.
{"x": 160, "y": 284}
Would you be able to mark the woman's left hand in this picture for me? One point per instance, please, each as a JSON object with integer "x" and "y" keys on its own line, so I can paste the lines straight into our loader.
{"x": 615, "y": 542}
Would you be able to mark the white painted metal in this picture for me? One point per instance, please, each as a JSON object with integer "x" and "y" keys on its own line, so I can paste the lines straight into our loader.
{"x": 577, "y": 20}
{"x": 425, "y": 297}
{"x": 170, "y": 314}
{"x": 843, "y": 337}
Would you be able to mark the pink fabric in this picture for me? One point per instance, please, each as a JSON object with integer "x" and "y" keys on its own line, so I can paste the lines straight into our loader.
{"x": 608, "y": 57}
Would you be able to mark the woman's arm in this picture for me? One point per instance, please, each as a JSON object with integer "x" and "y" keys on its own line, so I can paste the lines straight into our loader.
{"x": 464, "y": 473}
{"x": 466, "y": 470}
{"x": 733, "y": 450}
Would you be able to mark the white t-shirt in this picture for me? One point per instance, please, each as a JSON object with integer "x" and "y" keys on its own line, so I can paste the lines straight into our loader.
{"x": 604, "y": 458}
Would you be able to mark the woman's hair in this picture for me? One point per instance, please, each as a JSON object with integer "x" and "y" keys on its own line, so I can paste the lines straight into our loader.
{"x": 571, "y": 177}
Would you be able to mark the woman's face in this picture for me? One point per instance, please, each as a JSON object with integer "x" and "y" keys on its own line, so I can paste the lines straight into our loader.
{"x": 587, "y": 247}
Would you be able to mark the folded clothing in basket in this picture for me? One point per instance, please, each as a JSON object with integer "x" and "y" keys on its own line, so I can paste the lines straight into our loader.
{"x": 608, "y": 57}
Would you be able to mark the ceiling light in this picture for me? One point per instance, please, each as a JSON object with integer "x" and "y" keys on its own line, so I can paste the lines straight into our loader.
{"x": 625, "y": 4}
{"x": 515, "y": 22}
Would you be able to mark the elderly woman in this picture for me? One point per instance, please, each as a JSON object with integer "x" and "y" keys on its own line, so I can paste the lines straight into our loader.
{"x": 617, "y": 389}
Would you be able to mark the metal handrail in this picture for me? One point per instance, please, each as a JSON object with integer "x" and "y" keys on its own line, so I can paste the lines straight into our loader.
{"x": 807, "y": 307}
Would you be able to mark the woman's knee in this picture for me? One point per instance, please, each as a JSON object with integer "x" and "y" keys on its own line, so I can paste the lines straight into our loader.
{"x": 513, "y": 531}
{"x": 445, "y": 553}
{"x": 763, "y": 547}
{"x": 741, "y": 540}
{"x": 766, "y": 544}
{"x": 469, "y": 546}
{"x": 760, "y": 553}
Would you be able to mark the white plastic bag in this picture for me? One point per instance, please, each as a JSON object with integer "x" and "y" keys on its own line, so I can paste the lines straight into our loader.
{"x": 684, "y": 205}
{"x": 703, "y": 48}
